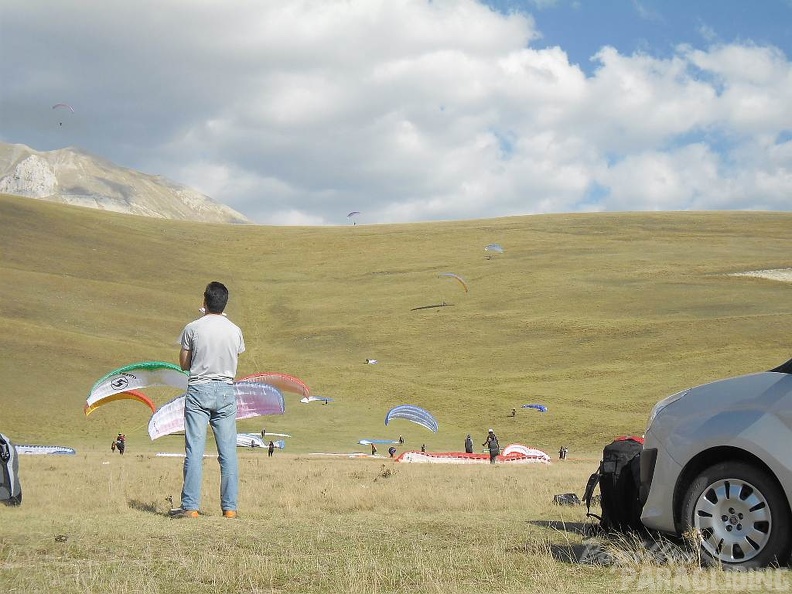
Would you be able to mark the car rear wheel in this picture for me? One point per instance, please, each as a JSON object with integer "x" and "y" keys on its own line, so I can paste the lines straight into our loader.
{"x": 740, "y": 516}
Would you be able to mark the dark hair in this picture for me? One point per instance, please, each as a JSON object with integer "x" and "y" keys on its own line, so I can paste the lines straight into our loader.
{"x": 215, "y": 297}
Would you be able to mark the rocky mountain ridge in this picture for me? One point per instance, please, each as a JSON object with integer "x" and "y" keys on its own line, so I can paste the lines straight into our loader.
{"x": 72, "y": 176}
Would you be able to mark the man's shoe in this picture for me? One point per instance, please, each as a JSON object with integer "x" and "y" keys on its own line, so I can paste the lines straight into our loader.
{"x": 184, "y": 513}
{"x": 229, "y": 513}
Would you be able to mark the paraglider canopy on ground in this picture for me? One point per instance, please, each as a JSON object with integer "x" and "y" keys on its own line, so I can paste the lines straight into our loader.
{"x": 44, "y": 449}
{"x": 323, "y": 399}
{"x": 252, "y": 440}
{"x": 539, "y": 407}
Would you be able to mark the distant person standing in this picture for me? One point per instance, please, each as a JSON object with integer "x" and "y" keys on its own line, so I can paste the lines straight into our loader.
{"x": 119, "y": 443}
{"x": 270, "y": 448}
{"x": 210, "y": 349}
{"x": 468, "y": 444}
{"x": 373, "y": 449}
{"x": 491, "y": 443}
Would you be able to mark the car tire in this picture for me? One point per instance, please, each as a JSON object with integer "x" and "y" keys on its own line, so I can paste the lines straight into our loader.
{"x": 740, "y": 517}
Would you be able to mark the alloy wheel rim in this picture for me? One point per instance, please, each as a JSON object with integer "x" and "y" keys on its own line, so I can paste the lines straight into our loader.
{"x": 734, "y": 520}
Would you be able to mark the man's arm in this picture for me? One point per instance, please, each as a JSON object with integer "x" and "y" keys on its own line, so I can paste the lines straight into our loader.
{"x": 185, "y": 359}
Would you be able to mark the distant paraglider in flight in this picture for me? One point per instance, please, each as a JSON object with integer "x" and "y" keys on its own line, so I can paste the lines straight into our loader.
{"x": 456, "y": 277}
{"x": 413, "y": 413}
{"x": 63, "y": 106}
{"x": 351, "y": 216}
{"x": 433, "y": 306}
{"x": 494, "y": 248}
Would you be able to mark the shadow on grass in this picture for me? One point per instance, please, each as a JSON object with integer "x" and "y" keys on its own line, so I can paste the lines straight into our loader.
{"x": 589, "y": 551}
{"x": 581, "y": 528}
{"x": 145, "y": 507}
{"x": 601, "y": 548}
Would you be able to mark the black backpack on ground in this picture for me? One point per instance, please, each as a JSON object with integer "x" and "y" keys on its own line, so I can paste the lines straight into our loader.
{"x": 618, "y": 477}
{"x": 10, "y": 490}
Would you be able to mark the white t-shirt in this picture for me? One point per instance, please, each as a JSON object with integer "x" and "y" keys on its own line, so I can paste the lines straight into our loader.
{"x": 215, "y": 343}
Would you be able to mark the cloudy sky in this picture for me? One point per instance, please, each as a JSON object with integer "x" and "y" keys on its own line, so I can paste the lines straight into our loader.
{"x": 298, "y": 112}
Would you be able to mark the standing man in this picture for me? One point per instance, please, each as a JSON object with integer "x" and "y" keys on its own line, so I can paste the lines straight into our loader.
{"x": 491, "y": 443}
{"x": 210, "y": 349}
{"x": 468, "y": 444}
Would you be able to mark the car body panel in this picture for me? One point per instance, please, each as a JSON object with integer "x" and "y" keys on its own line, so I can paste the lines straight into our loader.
{"x": 658, "y": 511}
{"x": 750, "y": 414}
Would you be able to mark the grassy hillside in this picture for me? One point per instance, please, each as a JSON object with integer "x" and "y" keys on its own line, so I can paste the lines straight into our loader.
{"x": 596, "y": 316}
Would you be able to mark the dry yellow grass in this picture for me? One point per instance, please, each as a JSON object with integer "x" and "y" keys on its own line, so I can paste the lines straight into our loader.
{"x": 595, "y": 315}
{"x": 98, "y": 523}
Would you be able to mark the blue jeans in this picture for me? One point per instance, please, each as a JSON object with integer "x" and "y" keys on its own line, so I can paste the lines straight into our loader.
{"x": 212, "y": 403}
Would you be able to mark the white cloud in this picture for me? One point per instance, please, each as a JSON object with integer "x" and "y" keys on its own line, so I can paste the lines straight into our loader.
{"x": 299, "y": 112}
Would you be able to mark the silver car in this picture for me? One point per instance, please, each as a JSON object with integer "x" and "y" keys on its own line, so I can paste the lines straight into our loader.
{"x": 717, "y": 466}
